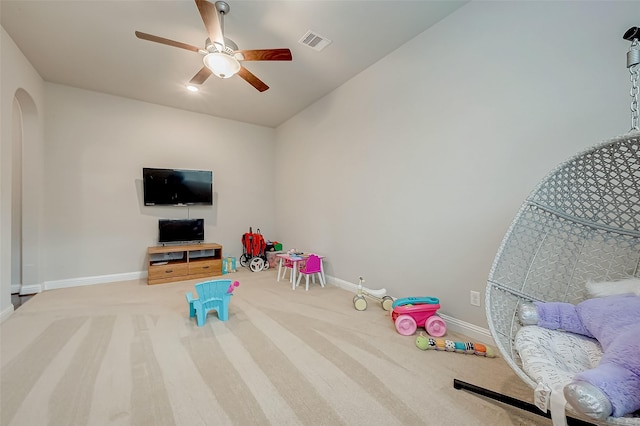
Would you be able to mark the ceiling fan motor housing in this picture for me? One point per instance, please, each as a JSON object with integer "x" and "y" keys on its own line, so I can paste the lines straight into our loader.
{"x": 229, "y": 48}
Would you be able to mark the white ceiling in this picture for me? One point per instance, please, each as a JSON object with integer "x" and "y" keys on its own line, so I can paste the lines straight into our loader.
{"x": 90, "y": 44}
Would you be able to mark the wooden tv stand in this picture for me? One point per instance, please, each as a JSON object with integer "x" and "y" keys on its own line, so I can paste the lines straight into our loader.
{"x": 185, "y": 262}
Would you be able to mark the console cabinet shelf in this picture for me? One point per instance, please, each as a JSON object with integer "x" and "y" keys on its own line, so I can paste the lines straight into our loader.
{"x": 178, "y": 263}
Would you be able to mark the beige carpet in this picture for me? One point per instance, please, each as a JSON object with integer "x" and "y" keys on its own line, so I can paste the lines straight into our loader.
{"x": 128, "y": 354}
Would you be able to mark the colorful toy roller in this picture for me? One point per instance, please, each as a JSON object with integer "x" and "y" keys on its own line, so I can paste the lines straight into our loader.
{"x": 425, "y": 343}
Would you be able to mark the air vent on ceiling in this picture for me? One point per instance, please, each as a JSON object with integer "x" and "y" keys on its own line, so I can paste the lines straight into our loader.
{"x": 314, "y": 41}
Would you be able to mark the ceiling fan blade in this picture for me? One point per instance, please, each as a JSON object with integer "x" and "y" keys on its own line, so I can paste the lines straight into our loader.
{"x": 252, "y": 79}
{"x": 162, "y": 40}
{"x": 265, "y": 55}
{"x": 211, "y": 20}
{"x": 201, "y": 76}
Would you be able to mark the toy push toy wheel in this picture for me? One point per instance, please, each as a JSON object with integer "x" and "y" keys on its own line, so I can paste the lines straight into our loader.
{"x": 256, "y": 264}
{"x": 387, "y": 303}
{"x": 359, "y": 302}
{"x": 435, "y": 326}
{"x": 406, "y": 325}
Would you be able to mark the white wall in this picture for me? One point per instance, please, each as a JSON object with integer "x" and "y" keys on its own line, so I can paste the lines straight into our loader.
{"x": 411, "y": 173}
{"x": 96, "y": 146}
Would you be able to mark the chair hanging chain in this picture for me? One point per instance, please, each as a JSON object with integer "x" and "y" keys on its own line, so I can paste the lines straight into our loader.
{"x": 633, "y": 61}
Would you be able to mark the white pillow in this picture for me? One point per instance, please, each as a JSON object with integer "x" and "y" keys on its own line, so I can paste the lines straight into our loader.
{"x": 612, "y": 288}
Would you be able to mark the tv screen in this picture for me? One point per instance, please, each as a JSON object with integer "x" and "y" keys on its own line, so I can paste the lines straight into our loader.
{"x": 175, "y": 187}
{"x": 180, "y": 230}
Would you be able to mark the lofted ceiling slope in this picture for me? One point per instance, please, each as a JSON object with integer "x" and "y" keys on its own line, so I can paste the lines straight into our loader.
{"x": 91, "y": 44}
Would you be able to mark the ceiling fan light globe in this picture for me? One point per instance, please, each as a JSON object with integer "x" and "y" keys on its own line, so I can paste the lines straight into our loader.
{"x": 221, "y": 64}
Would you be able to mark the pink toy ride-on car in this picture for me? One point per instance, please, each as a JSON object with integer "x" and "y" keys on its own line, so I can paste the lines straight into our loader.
{"x": 409, "y": 313}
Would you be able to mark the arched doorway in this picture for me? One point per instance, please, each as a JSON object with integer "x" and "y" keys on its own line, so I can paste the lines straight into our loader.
{"x": 16, "y": 198}
{"x": 26, "y": 168}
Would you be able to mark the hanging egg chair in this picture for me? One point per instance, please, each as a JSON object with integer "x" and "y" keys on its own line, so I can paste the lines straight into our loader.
{"x": 581, "y": 223}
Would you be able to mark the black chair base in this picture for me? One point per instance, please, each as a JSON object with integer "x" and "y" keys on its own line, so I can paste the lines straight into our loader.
{"x": 459, "y": 384}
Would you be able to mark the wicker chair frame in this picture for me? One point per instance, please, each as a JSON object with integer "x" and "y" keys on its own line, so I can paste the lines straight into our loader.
{"x": 581, "y": 223}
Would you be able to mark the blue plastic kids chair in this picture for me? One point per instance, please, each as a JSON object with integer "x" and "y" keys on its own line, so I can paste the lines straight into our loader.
{"x": 212, "y": 295}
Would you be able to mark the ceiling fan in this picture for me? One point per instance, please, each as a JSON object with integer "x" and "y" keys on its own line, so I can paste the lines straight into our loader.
{"x": 221, "y": 55}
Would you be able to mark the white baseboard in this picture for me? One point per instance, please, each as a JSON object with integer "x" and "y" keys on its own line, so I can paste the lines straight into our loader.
{"x": 30, "y": 289}
{"x": 479, "y": 334}
{"x": 6, "y": 313}
{"x": 345, "y": 285}
{"x": 100, "y": 279}
{"x": 23, "y": 289}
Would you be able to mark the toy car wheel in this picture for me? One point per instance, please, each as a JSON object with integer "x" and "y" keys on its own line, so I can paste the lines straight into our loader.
{"x": 360, "y": 303}
{"x": 387, "y": 302}
{"x": 244, "y": 259}
{"x": 435, "y": 326}
{"x": 406, "y": 325}
{"x": 256, "y": 264}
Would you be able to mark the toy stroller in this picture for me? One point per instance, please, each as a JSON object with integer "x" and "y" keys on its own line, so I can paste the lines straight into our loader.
{"x": 253, "y": 246}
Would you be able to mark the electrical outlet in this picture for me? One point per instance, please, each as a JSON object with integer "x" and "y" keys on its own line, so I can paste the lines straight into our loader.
{"x": 475, "y": 298}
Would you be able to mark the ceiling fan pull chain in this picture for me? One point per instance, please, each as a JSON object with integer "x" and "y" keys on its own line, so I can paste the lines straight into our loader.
{"x": 633, "y": 61}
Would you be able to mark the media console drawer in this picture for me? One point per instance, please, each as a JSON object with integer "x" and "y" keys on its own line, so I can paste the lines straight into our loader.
{"x": 168, "y": 270}
{"x": 183, "y": 262}
{"x": 204, "y": 266}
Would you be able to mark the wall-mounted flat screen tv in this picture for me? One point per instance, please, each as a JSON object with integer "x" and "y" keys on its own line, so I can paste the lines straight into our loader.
{"x": 180, "y": 230}
{"x": 176, "y": 187}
